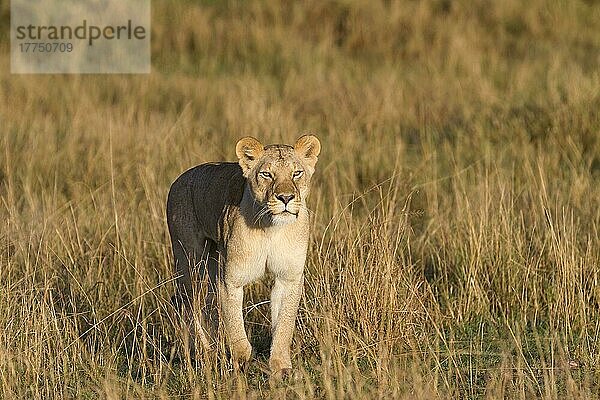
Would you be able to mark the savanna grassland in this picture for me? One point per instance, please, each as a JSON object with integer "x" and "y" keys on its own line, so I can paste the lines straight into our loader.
{"x": 456, "y": 202}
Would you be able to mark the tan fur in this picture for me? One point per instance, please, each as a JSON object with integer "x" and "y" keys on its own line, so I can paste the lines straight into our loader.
{"x": 252, "y": 217}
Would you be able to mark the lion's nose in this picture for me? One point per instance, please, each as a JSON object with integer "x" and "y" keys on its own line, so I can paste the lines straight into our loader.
{"x": 285, "y": 198}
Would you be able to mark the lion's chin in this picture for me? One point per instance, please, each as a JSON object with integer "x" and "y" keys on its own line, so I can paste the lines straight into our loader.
{"x": 283, "y": 218}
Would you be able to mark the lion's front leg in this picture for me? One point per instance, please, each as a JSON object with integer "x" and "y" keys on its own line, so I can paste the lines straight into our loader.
{"x": 231, "y": 298}
{"x": 285, "y": 299}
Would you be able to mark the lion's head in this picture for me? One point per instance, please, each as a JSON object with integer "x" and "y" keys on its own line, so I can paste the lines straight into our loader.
{"x": 279, "y": 175}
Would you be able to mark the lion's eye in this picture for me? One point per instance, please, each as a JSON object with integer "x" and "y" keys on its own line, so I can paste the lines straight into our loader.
{"x": 265, "y": 174}
{"x": 298, "y": 174}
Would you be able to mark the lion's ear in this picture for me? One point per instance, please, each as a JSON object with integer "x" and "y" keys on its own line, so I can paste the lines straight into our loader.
{"x": 248, "y": 150}
{"x": 308, "y": 147}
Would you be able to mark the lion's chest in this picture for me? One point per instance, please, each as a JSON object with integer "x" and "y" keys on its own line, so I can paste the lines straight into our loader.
{"x": 248, "y": 259}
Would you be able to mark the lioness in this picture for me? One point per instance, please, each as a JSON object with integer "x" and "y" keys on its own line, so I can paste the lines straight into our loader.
{"x": 236, "y": 220}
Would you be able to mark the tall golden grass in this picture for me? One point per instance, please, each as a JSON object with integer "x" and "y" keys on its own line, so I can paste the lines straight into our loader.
{"x": 455, "y": 249}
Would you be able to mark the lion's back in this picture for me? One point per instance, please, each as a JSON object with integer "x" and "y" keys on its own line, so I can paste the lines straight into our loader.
{"x": 198, "y": 197}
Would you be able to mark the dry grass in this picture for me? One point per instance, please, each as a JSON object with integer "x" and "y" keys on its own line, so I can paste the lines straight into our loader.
{"x": 456, "y": 232}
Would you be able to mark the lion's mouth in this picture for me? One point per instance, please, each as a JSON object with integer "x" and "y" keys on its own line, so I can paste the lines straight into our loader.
{"x": 284, "y": 212}
{"x": 284, "y": 217}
